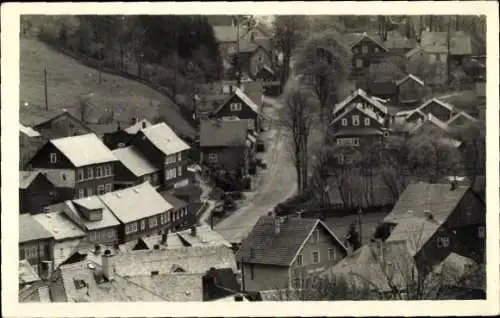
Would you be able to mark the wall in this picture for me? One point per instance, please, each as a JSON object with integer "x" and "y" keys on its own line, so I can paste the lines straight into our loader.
{"x": 229, "y": 158}
{"x": 409, "y": 91}
{"x": 178, "y": 164}
{"x": 265, "y": 277}
{"x": 146, "y": 231}
{"x": 94, "y": 182}
{"x": 245, "y": 113}
{"x": 438, "y": 111}
{"x": 107, "y": 236}
{"x": 44, "y": 249}
{"x": 308, "y": 268}
{"x": 42, "y": 159}
{"x": 28, "y": 146}
{"x": 64, "y": 249}
{"x": 37, "y": 196}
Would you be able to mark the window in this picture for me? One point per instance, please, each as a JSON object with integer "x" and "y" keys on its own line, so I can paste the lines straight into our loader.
{"x": 355, "y": 120}
{"x": 107, "y": 170}
{"x": 364, "y": 48}
{"x": 108, "y": 187}
{"x": 340, "y": 141}
{"x": 225, "y": 89}
{"x": 171, "y": 174}
{"x": 355, "y": 50}
{"x": 179, "y": 156}
{"x": 340, "y": 159}
{"x": 344, "y": 121}
{"x": 179, "y": 171}
{"x": 153, "y": 221}
{"x": 235, "y": 107}
{"x": 111, "y": 234}
{"x": 443, "y": 58}
{"x": 90, "y": 173}
{"x": 95, "y": 236}
{"x": 143, "y": 224}
{"x": 376, "y": 49}
{"x": 359, "y": 63}
{"x": 481, "y": 233}
{"x": 100, "y": 189}
{"x": 163, "y": 218}
{"x": 355, "y": 141}
{"x": 367, "y": 121}
{"x": 90, "y": 192}
{"x": 131, "y": 228}
{"x": 169, "y": 218}
{"x": 53, "y": 157}
{"x": 98, "y": 172}
{"x": 31, "y": 251}
{"x": 212, "y": 157}
{"x": 170, "y": 159}
{"x": 443, "y": 241}
{"x": 315, "y": 256}
{"x": 81, "y": 174}
{"x": 299, "y": 260}
{"x": 81, "y": 193}
{"x": 331, "y": 254}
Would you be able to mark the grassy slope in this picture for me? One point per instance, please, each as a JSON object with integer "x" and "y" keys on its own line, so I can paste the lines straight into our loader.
{"x": 68, "y": 80}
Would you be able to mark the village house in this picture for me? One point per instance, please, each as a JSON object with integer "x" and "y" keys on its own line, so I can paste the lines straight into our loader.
{"x": 84, "y": 159}
{"x": 93, "y": 217}
{"x": 133, "y": 168}
{"x": 366, "y": 49}
{"x": 460, "y": 119}
{"x": 35, "y": 192}
{"x": 359, "y": 122}
{"x": 253, "y": 55}
{"x": 29, "y": 142}
{"x": 140, "y": 209}
{"x": 410, "y": 90}
{"x": 31, "y": 287}
{"x": 166, "y": 151}
{"x": 398, "y": 43}
{"x": 227, "y": 37}
{"x": 36, "y": 245}
{"x": 67, "y": 234}
{"x": 225, "y": 145}
{"x": 286, "y": 253}
{"x": 439, "y": 109}
{"x": 62, "y": 125}
{"x": 182, "y": 216}
{"x": 456, "y": 211}
{"x": 122, "y": 137}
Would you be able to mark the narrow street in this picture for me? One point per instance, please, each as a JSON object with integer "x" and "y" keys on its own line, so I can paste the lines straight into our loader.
{"x": 274, "y": 185}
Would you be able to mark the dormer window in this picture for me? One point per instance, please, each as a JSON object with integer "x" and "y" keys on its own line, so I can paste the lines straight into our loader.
{"x": 235, "y": 107}
{"x": 53, "y": 157}
{"x": 376, "y": 49}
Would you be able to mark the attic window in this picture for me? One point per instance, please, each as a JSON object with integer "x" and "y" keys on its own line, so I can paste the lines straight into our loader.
{"x": 235, "y": 107}
{"x": 53, "y": 157}
{"x": 79, "y": 283}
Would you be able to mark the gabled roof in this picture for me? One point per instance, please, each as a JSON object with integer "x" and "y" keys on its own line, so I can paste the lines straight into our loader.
{"x": 31, "y": 230}
{"x": 61, "y": 178}
{"x": 193, "y": 260}
{"x": 134, "y": 161}
{"x": 245, "y": 99}
{"x": 59, "y": 225}
{"x": 461, "y": 114}
{"x": 215, "y": 133}
{"x": 28, "y": 131}
{"x": 61, "y": 114}
{"x": 27, "y": 273}
{"x": 408, "y": 77}
{"x": 365, "y": 96}
{"x": 421, "y": 197}
{"x": 135, "y": 203}
{"x": 437, "y": 101}
{"x": 26, "y": 178}
{"x": 165, "y": 139}
{"x": 264, "y": 246}
{"x": 138, "y": 126}
{"x": 370, "y": 113}
{"x": 84, "y": 150}
{"x": 225, "y": 33}
{"x": 351, "y": 39}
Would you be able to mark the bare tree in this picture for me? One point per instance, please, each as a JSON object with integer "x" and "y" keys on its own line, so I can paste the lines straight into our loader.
{"x": 297, "y": 118}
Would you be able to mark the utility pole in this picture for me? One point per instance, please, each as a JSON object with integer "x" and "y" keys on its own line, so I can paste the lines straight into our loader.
{"x": 45, "y": 86}
{"x": 360, "y": 223}
{"x": 448, "y": 70}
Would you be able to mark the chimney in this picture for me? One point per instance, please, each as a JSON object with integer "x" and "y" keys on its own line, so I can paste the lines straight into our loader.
{"x": 107, "y": 265}
{"x": 143, "y": 124}
{"x": 453, "y": 185}
{"x": 193, "y": 231}
{"x": 277, "y": 225}
{"x": 97, "y": 249}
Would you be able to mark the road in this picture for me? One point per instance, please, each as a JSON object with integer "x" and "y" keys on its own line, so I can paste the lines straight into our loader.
{"x": 276, "y": 183}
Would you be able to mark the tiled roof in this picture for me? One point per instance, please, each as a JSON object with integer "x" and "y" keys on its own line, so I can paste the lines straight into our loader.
{"x": 28, "y": 131}
{"x": 71, "y": 211}
{"x": 215, "y": 133}
{"x": 172, "y": 287}
{"x": 27, "y": 273}
{"x": 412, "y": 77}
{"x": 84, "y": 150}
{"x": 31, "y": 230}
{"x": 119, "y": 289}
{"x": 26, "y": 178}
{"x": 61, "y": 178}
{"x": 364, "y": 95}
{"x": 132, "y": 204}
{"x": 165, "y": 139}
{"x": 277, "y": 249}
{"x": 134, "y": 161}
{"x": 225, "y": 33}
{"x": 437, "y": 199}
{"x": 138, "y": 126}
{"x": 59, "y": 225}
{"x": 192, "y": 260}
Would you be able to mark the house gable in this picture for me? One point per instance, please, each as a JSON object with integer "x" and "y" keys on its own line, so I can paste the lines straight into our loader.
{"x": 225, "y": 109}
{"x": 63, "y": 125}
{"x": 367, "y": 118}
{"x": 42, "y": 158}
{"x": 357, "y": 47}
{"x": 438, "y": 110}
{"x": 361, "y": 97}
